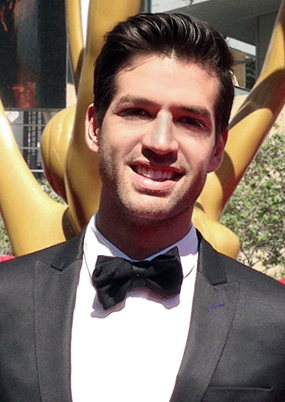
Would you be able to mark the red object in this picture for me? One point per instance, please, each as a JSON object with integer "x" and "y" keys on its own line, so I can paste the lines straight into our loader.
{"x": 6, "y": 257}
{"x": 282, "y": 281}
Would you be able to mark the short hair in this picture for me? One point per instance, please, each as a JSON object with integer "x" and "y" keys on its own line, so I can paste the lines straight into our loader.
{"x": 162, "y": 34}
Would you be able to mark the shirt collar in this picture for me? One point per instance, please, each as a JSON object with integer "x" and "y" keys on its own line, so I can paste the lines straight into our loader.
{"x": 96, "y": 244}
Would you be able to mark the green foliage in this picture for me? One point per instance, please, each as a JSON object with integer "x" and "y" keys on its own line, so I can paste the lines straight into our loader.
{"x": 49, "y": 191}
{"x": 256, "y": 211}
{"x": 5, "y": 246}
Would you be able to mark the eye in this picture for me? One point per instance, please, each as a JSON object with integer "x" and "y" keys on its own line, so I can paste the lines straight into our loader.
{"x": 191, "y": 122}
{"x": 135, "y": 113}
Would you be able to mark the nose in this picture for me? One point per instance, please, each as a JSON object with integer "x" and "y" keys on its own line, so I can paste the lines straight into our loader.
{"x": 160, "y": 138}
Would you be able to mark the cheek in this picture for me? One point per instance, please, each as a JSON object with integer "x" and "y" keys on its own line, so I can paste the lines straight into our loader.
{"x": 197, "y": 157}
{"x": 118, "y": 139}
{"x": 194, "y": 151}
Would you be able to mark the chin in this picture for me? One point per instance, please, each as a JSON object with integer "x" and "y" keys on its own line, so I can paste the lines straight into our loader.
{"x": 147, "y": 213}
{"x": 150, "y": 213}
{"x": 147, "y": 208}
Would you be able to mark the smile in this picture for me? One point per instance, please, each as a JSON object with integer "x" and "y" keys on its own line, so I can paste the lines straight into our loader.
{"x": 155, "y": 174}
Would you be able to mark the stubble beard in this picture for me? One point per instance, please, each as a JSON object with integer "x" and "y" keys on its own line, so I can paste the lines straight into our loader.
{"x": 144, "y": 209}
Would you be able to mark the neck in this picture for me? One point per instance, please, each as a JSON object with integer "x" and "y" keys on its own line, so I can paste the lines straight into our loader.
{"x": 141, "y": 238}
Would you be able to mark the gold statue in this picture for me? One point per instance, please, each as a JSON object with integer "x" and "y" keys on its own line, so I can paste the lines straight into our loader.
{"x": 34, "y": 221}
{"x": 248, "y": 129}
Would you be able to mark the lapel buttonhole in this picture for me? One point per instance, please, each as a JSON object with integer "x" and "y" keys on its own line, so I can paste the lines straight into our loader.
{"x": 215, "y": 306}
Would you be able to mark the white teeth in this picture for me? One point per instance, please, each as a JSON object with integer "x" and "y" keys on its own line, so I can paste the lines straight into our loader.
{"x": 166, "y": 175}
{"x": 158, "y": 175}
{"x": 154, "y": 174}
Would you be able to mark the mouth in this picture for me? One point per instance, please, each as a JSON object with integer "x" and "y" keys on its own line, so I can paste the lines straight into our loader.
{"x": 156, "y": 174}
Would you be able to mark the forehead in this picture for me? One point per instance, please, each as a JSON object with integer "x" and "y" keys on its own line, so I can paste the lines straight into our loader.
{"x": 168, "y": 80}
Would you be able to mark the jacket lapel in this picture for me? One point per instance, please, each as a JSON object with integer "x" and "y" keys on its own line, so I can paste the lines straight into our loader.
{"x": 213, "y": 311}
{"x": 54, "y": 295}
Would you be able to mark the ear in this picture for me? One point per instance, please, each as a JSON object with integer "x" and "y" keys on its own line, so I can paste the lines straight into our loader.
{"x": 218, "y": 152}
{"x": 91, "y": 129}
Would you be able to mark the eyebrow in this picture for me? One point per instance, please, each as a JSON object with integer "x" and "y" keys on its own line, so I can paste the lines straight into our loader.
{"x": 134, "y": 99}
{"x": 187, "y": 109}
{"x": 196, "y": 110}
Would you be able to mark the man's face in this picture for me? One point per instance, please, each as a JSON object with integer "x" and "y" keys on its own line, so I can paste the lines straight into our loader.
{"x": 157, "y": 139}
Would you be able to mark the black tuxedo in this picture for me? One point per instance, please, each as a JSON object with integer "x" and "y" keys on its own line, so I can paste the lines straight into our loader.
{"x": 235, "y": 351}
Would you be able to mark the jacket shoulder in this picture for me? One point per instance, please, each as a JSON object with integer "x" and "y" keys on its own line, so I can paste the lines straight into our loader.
{"x": 230, "y": 270}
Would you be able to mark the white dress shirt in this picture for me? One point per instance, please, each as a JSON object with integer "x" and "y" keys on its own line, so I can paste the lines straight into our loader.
{"x": 131, "y": 352}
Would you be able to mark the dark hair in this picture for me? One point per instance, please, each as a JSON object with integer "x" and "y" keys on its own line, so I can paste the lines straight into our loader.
{"x": 176, "y": 35}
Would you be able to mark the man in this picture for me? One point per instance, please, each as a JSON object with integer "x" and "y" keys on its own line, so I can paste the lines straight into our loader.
{"x": 204, "y": 328}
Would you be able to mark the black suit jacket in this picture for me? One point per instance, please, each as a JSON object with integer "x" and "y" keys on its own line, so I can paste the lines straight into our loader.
{"x": 235, "y": 350}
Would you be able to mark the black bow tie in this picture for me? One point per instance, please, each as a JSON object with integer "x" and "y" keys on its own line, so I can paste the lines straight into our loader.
{"x": 114, "y": 276}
